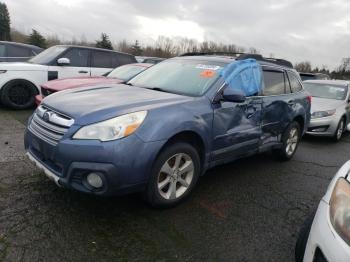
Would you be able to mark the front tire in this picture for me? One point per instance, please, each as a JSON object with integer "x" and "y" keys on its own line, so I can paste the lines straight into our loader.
{"x": 290, "y": 141}
{"x": 18, "y": 94}
{"x": 303, "y": 237}
{"x": 340, "y": 130}
{"x": 174, "y": 175}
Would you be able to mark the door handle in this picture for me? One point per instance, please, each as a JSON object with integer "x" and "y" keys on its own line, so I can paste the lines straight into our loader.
{"x": 83, "y": 72}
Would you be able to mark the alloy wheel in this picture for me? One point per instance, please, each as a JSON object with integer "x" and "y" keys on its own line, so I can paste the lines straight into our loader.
{"x": 292, "y": 141}
{"x": 340, "y": 130}
{"x": 175, "y": 176}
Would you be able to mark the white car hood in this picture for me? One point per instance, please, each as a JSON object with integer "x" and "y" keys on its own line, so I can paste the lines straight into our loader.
{"x": 22, "y": 66}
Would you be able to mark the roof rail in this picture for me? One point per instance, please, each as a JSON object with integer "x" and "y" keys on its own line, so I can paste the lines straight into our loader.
{"x": 242, "y": 56}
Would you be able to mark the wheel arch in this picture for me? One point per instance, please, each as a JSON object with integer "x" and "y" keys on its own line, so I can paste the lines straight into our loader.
{"x": 301, "y": 121}
{"x": 22, "y": 79}
{"x": 191, "y": 137}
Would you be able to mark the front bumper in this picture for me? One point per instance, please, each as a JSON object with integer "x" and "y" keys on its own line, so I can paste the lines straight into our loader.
{"x": 124, "y": 164}
{"x": 324, "y": 237}
{"x": 325, "y": 126}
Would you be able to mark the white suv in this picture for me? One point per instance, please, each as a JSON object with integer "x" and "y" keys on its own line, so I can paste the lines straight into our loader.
{"x": 20, "y": 82}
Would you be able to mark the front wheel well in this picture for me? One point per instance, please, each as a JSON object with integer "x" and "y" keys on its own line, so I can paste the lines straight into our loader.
{"x": 191, "y": 137}
{"x": 301, "y": 122}
{"x": 24, "y": 80}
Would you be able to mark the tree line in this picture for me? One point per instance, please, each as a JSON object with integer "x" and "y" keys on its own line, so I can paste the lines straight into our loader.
{"x": 164, "y": 47}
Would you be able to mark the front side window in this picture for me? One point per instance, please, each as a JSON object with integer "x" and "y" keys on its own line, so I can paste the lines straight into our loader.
{"x": 180, "y": 76}
{"x": 78, "y": 57}
{"x": 274, "y": 82}
{"x": 294, "y": 83}
{"x": 326, "y": 91}
{"x": 101, "y": 59}
{"x": 46, "y": 56}
{"x": 126, "y": 72}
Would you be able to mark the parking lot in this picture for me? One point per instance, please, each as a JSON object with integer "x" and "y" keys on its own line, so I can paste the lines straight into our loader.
{"x": 250, "y": 210}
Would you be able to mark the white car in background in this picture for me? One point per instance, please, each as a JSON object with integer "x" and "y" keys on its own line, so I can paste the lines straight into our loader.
{"x": 326, "y": 235}
{"x": 20, "y": 82}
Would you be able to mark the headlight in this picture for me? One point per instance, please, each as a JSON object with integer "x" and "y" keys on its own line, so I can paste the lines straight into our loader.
{"x": 320, "y": 114}
{"x": 112, "y": 129}
{"x": 340, "y": 209}
{"x": 3, "y": 71}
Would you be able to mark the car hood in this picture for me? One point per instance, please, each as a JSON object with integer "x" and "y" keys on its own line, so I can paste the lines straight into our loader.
{"x": 93, "y": 104}
{"x": 323, "y": 104}
{"x": 68, "y": 83}
{"x": 22, "y": 66}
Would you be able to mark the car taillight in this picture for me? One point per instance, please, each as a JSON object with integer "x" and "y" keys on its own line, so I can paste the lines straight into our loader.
{"x": 309, "y": 98}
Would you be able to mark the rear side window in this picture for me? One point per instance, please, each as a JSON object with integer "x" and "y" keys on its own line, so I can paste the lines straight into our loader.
{"x": 101, "y": 59}
{"x": 18, "y": 51}
{"x": 2, "y": 50}
{"x": 77, "y": 57}
{"x": 274, "y": 82}
{"x": 294, "y": 83}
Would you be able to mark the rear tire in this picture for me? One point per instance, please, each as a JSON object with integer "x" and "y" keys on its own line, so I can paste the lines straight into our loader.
{"x": 18, "y": 94}
{"x": 174, "y": 174}
{"x": 340, "y": 130}
{"x": 290, "y": 141}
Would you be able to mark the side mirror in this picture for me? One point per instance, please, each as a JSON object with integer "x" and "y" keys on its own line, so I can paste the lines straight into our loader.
{"x": 63, "y": 61}
{"x": 233, "y": 95}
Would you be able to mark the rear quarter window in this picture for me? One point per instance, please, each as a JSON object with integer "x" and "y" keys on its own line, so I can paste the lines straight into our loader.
{"x": 294, "y": 83}
{"x": 274, "y": 82}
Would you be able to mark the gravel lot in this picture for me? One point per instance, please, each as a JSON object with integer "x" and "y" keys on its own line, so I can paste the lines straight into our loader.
{"x": 250, "y": 210}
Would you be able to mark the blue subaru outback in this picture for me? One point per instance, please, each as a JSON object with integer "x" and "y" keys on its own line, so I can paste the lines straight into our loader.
{"x": 162, "y": 130}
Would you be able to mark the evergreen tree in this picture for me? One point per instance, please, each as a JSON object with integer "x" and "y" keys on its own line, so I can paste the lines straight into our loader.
{"x": 136, "y": 48}
{"x": 35, "y": 38}
{"x": 104, "y": 42}
{"x": 4, "y": 23}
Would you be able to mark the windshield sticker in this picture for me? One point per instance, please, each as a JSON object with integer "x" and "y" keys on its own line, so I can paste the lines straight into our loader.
{"x": 207, "y": 73}
{"x": 336, "y": 89}
{"x": 208, "y": 67}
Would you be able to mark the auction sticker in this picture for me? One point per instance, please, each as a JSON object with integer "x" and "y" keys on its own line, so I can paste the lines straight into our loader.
{"x": 208, "y": 67}
{"x": 207, "y": 73}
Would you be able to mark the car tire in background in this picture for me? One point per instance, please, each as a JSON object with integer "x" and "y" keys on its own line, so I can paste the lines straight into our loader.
{"x": 174, "y": 175}
{"x": 303, "y": 237}
{"x": 18, "y": 94}
{"x": 340, "y": 130}
{"x": 290, "y": 141}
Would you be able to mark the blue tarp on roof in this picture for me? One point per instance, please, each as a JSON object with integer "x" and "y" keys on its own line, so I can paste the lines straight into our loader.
{"x": 245, "y": 75}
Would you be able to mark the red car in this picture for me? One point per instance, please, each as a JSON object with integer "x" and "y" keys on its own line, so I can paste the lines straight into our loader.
{"x": 119, "y": 75}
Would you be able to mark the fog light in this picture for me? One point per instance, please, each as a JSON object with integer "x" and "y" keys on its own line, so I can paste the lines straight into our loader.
{"x": 94, "y": 180}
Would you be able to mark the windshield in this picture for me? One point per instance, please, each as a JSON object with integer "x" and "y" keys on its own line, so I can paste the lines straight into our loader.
{"x": 126, "y": 72}
{"x": 185, "y": 77}
{"x": 47, "y": 55}
{"x": 326, "y": 91}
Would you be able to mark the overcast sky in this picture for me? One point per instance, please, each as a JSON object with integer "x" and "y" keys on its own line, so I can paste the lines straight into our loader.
{"x": 299, "y": 30}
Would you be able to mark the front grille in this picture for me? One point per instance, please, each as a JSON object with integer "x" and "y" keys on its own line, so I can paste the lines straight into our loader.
{"x": 46, "y": 92}
{"x": 49, "y": 125}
